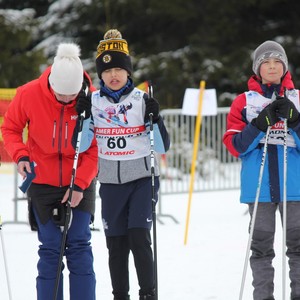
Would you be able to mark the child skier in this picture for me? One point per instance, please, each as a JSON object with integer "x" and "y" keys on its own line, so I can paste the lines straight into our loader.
{"x": 124, "y": 165}
{"x": 270, "y": 99}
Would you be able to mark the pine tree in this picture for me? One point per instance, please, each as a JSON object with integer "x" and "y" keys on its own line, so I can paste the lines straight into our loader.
{"x": 20, "y": 62}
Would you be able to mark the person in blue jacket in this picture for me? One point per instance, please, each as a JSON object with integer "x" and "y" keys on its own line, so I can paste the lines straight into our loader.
{"x": 271, "y": 98}
{"x": 121, "y": 119}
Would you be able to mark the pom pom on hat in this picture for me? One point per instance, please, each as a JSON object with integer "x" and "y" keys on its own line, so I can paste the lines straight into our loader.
{"x": 269, "y": 49}
{"x": 112, "y": 52}
{"x": 66, "y": 75}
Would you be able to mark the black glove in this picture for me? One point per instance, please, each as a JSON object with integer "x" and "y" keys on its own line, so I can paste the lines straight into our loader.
{"x": 84, "y": 104}
{"x": 152, "y": 106}
{"x": 267, "y": 117}
{"x": 287, "y": 110}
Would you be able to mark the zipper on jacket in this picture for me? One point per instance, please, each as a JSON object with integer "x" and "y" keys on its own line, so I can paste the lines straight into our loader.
{"x": 146, "y": 165}
{"x": 66, "y": 135}
{"x": 119, "y": 175}
{"x": 59, "y": 145}
{"x": 54, "y": 132}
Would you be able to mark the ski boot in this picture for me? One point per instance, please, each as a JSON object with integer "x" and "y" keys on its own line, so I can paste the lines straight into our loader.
{"x": 147, "y": 297}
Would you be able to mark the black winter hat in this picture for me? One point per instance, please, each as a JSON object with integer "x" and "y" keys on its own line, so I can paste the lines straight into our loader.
{"x": 112, "y": 52}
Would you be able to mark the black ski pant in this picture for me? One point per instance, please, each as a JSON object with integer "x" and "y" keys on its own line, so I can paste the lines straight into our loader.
{"x": 138, "y": 241}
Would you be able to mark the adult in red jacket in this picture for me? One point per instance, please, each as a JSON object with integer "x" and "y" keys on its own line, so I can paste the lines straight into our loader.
{"x": 47, "y": 105}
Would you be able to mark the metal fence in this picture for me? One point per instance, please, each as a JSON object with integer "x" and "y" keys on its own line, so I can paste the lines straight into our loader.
{"x": 216, "y": 168}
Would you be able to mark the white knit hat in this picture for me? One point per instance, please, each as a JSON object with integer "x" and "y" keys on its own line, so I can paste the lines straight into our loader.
{"x": 66, "y": 75}
{"x": 269, "y": 49}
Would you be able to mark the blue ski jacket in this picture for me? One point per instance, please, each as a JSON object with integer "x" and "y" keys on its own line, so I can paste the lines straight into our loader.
{"x": 245, "y": 141}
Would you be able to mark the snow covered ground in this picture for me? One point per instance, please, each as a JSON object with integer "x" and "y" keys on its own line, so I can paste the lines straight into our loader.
{"x": 208, "y": 267}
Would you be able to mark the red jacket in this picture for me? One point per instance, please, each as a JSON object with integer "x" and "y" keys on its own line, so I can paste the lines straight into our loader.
{"x": 50, "y": 129}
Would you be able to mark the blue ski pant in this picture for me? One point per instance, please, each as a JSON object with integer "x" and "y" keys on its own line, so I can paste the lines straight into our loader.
{"x": 128, "y": 205}
{"x": 79, "y": 258}
{"x": 127, "y": 211}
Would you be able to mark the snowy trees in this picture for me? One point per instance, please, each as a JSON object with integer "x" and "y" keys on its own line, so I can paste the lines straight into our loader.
{"x": 19, "y": 60}
{"x": 175, "y": 43}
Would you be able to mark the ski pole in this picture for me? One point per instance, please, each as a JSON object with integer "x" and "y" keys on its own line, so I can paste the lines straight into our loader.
{"x": 150, "y": 92}
{"x": 69, "y": 210}
{"x": 5, "y": 262}
{"x": 252, "y": 223}
{"x": 284, "y": 209}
